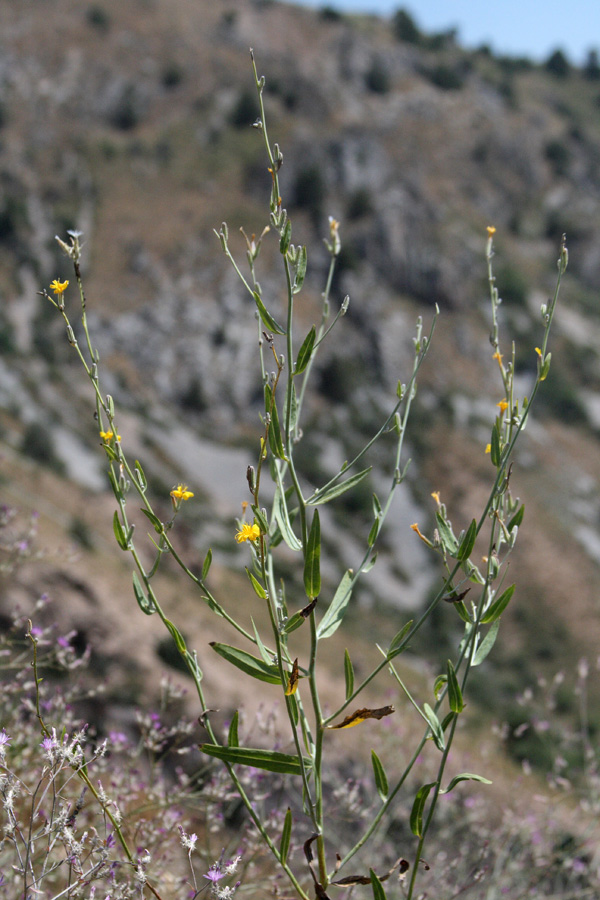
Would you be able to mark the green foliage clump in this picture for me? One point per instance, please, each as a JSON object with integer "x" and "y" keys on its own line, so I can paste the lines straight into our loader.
{"x": 377, "y": 77}
{"x": 558, "y": 64}
{"x": 405, "y": 27}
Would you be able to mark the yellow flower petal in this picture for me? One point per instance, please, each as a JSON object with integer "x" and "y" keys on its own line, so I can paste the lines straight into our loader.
{"x": 247, "y": 533}
{"x": 491, "y": 230}
{"x": 59, "y": 287}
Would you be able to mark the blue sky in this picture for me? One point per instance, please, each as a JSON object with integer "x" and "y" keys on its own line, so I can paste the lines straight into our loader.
{"x": 517, "y": 27}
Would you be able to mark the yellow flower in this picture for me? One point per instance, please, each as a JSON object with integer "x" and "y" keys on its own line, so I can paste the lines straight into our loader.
{"x": 498, "y": 357}
{"x": 488, "y": 448}
{"x": 503, "y": 405}
{"x": 539, "y": 352}
{"x": 491, "y": 230}
{"x": 248, "y": 533}
{"x": 107, "y": 435}
{"x": 416, "y": 528}
{"x": 181, "y": 492}
{"x": 59, "y": 287}
{"x": 436, "y": 497}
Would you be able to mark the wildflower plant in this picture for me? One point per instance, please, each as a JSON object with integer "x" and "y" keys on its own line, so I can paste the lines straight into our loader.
{"x": 472, "y": 590}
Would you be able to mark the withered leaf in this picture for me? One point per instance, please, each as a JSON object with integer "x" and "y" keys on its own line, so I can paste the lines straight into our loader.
{"x": 305, "y": 613}
{"x": 456, "y": 598}
{"x": 293, "y": 679}
{"x": 401, "y": 864}
{"x": 360, "y": 715}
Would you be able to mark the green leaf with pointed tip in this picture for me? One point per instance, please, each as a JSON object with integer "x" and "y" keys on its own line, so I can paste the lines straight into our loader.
{"x": 517, "y": 519}
{"x": 416, "y": 815}
{"x": 465, "y": 776}
{"x": 248, "y": 663}
{"x": 265, "y": 655}
{"x": 177, "y": 637}
{"x": 260, "y": 519}
{"x": 305, "y": 351}
{"x": 158, "y": 525}
{"x": 312, "y": 559}
{"x": 369, "y": 565}
{"x": 348, "y": 674}
{"x": 300, "y": 270}
{"x": 455, "y": 697}
{"x": 282, "y": 517}
{"x": 286, "y": 834}
{"x": 377, "y": 887}
{"x": 486, "y": 644}
{"x": 434, "y": 724}
{"x": 495, "y": 448}
{"x": 332, "y": 619}
{"x": 286, "y": 237}
{"x": 232, "y": 737}
{"x": 397, "y": 640}
{"x": 468, "y": 542}
{"x": 266, "y": 317}
{"x": 439, "y": 684}
{"x": 381, "y": 782}
{"x": 275, "y": 438}
{"x": 258, "y": 588}
{"x": 447, "y": 536}
{"x": 144, "y": 602}
{"x": 498, "y": 606}
{"x": 140, "y": 476}
{"x": 206, "y": 564}
{"x": 269, "y": 760}
{"x": 335, "y": 490}
{"x": 373, "y": 533}
{"x": 119, "y": 533}
{"x": 294, "y": 622}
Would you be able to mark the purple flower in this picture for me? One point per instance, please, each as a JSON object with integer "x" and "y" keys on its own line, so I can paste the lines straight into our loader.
{"x": 214, "y": 874}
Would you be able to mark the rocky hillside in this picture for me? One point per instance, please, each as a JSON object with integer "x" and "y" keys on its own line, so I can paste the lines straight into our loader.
{"x": 132, "y": 124}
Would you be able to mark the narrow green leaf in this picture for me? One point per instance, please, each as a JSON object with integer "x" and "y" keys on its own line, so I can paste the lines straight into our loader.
{"x": 397, "y": 640}
{"x": 266, "y": 317}
{"x": 335, "y": 490}
{"x": 439, "y": 684}
{"x": 177, "y": 637}
{"x": 517, "y": 519}
{"x": 381, "y": 782}
{"x": 332, "y": 619}
{"x": 463, "y": 612}
{"x": 294, "y": 622}
{"x": 141, "y": 478}
{"x": 206, "y": 564}
{"x": 258, "y": 588}
{"x": 145, "y": 604}
{"x": 377, "y": 887}
{"x": 348, "y": 674}
{"x": 286, "y": 237}
{"x": 305, "y": 351}
{"x": 300, "y": 270}
{"x": 232, "y": 737}
{"x": 293, "y": 706}
{"x": 369, "y": 565}
{"x": 416, "y": 815}
{"x": 495, "y": 448}
{"x": 486, "y": 644}
{"x": 468, "y": 542}
{"x": 260, "y": 519}
{"x": 119, "y": 533}
{"x": 375, "y": 527}
{"x": 248, "y": 663}
{"x": 312, "y": 559}
{"x": 498, "y": 606}
{"x": 275, "y": 439}
{"x": 447, "y": 536}
{"x": 293, "y": 408}
{"x": 286, "y": 834}
{"x": 465, "y": 776}
{"x": 282, "y": 518}
{"x": 455, "y": 697}
{"x": 434, "y": 724}
{"x": 265, "y": 655}
{"x": 158, "y": 525}
{"x": 376, "y": 507}
{"x": 269, "y": 760}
